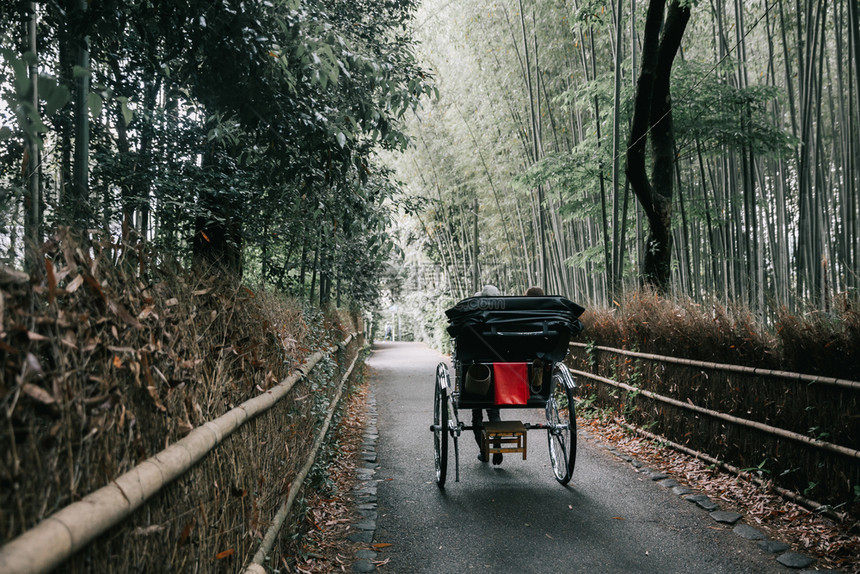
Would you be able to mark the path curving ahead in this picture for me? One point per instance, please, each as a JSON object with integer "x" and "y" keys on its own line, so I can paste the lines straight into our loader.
{"x": 516, "y": 518}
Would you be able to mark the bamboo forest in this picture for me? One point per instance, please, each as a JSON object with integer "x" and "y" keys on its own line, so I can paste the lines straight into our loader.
{"x": 523, "y": 165}
{"x": 276, "y": 132}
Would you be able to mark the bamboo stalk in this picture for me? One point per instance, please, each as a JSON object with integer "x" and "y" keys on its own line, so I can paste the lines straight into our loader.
{"x": 828, "y": 446}
{"x": 55, "y": 539}
{"x": 800, "y": 377}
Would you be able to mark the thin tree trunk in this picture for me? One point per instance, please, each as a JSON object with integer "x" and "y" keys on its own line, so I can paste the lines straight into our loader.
{"x": 146, "y": 165}
{"x": 78, "y": 210}
{"x": 607, "y": 258}
{"x": 33, "y": 198}
{"x": 853, "y": 174}
{"x": 685, "y": 265}
{"x": 315, "y": 266}
{"x": 540, "y": 236}
{"x": 838, "y": 127}
{"x": 614, "y": 273}
{"x": 476, "y": 270}
{"x": 303, "y": 261}
{"x": 712, "y": 244}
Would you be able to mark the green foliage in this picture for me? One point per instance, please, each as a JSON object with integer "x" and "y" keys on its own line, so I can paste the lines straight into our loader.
{"x": 591, "y": 355}
{"x": 586, "y": 403}
{"x": 17, "y": 94}
{"x": 710, "y": 108}
{"x": 575, "y": 176}
{"x": 759, "y": 469}
{"x": 233, "y": 127}
{"x": 589, "y": 408}
{"x": 591, "y": 256}
{"x": 593, "y": 12}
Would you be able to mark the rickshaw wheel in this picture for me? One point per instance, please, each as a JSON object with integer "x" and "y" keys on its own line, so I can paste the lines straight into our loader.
{"x": 561, "y": 427}
{"x": 440, "y": 424}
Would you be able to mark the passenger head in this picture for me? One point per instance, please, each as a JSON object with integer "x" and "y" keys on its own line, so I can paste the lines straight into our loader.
{"x": 534, "y": 292}
{"x": 488, "y": 291}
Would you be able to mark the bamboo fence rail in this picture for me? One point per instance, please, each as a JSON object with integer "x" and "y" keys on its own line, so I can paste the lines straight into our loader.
{"x": 785, "y": 493}
{"x": 55, "y": 539}
{"x": 780, "y": 405}
{"x": 800, "y": 377}
{"x": 845, "y": 451}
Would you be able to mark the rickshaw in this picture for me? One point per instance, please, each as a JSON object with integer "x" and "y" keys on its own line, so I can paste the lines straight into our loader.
{"x": 508, "y": 354}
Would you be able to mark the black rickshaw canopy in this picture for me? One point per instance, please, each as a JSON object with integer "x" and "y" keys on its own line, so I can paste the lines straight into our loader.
{"x": 509, "y": 329}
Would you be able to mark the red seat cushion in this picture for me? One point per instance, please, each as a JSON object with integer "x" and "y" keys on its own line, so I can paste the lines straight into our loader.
{"x": 511, "y": 383}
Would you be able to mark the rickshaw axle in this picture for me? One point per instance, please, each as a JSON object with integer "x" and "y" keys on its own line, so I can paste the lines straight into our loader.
{"x": 529, "y": 426}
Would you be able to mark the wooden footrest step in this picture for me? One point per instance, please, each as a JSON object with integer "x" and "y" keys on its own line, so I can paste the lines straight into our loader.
{"x": 503, "y": 437}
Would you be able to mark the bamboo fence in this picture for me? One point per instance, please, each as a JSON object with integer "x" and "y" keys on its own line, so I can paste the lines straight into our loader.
{"x": 800, "y": 428}
{"x": 58, "y": 537}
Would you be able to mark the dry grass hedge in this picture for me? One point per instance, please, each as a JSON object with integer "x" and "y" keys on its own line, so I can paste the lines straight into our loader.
{"x": 651, "y": 324}
{"x": 108, "y": 356}
{"x": 818, "y": 344}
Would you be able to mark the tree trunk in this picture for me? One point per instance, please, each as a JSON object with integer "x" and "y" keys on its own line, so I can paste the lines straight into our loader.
{"x": 145, "y": 155}
{"x": 33, "y": 197}
{"x": 615, "y": 271}
{"x": 78, "y": 211}
{"x": 304, "y": 261}
{"x": 325, "y": 273}
{"x": 217, "y": 231}
{"x": 476, "y": 271}
{"x": 123, "y": 146}
{"x": 853, "y": 221}
{"x": 540, "y": 235}
{"x": 653, "y": 112}
{"x": 607, "y": 258}
{"x": 315, "y": 266}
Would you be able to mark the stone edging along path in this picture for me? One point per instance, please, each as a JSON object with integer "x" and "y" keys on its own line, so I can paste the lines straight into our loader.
{"x": 783, "y": 553}
{"x": 365, "y": 492}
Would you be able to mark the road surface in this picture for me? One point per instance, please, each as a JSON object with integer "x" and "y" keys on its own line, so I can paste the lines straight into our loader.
{"x": 515, "y": 517}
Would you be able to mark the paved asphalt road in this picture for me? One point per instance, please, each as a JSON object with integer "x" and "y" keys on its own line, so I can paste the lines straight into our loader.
{"x": 516, "y": 518}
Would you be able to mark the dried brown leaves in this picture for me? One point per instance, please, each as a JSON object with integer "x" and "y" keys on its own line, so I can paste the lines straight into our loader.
{"x": 325, "y": 547}
{"x": 834, "y": 545}
{"x": 109, "y": 355}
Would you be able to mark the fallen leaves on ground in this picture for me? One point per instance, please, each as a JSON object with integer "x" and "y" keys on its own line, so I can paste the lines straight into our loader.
{"x": 835, "y": 545}
{"x": 326, "y": 547}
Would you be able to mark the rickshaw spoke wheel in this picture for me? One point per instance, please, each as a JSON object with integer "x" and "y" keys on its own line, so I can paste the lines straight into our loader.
{"x": 561, "y": 428}
{"x": 440, "y": 425}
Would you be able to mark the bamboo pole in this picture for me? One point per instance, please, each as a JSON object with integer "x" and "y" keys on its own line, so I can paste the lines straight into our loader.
{"x": 55, "y": 539}
{"x": 793, "y": 496}
{"x": 828, "y": 446}
{"x": 256, "y": 565}
{"x": 33, "y": 199}
{"x": 799, "y": 377}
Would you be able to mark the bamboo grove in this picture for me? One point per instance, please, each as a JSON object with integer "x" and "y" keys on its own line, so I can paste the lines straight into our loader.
{"x": 520, "y": 165}
{"x": 240, "y": 134}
